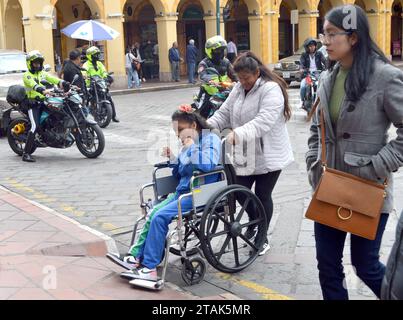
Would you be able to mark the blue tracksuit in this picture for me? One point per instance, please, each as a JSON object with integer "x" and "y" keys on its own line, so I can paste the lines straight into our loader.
{"x": 203, "y": 156}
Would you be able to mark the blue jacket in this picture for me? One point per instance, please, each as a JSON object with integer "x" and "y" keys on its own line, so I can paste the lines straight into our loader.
{"x": 191, "y": 54}
{"x": 204, "y": 156}
{"x": 174, "y": 55}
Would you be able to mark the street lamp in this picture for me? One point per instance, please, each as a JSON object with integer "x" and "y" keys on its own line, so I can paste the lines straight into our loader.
{"x": 218, "y": 16}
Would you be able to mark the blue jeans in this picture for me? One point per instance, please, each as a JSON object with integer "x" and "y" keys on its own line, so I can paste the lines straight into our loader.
{"x": 364, "y": 258}
{"x": 191, "y": 72}
{"x": 132, "y": 75}
{"x": 302, "y": 91}
{"x": 153, "y": 248}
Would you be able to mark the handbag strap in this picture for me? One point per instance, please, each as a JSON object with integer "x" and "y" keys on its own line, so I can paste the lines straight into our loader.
{"x": 323, "y": 135}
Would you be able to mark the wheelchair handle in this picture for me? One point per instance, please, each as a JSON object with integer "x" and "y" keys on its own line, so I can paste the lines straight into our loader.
{"x": 162, "y": 165}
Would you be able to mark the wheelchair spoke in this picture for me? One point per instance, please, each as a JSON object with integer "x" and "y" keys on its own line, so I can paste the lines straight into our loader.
{"x": 248, "y": 242}
{"x": 226, "y": 242}
{"x": 223, "y": 220}
{"x": 218, "y": 234}
{"x": 245, "y": 205}
{"x": 251, "y": 223}
{"x": 236, "y": 254}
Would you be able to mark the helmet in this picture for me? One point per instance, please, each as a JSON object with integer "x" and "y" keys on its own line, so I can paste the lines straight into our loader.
{"x": 214, "y": 43}
{"x": 37, "y": 57}
{"x": 93, "y": 52}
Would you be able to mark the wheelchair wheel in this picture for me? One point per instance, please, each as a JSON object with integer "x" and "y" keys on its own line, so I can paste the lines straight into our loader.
{"x": 227, "y": 248}
{"x": 193, "y": 270}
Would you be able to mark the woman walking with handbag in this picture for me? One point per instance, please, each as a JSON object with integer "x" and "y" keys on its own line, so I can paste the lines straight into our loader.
{"x": 360, "y": 97}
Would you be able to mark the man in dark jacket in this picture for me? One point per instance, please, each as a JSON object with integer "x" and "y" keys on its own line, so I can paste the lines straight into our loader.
{"x": 191, "y": 59}
{"x": 392, "y": 286}
{"x": 174, "y": 60}
{"x": 311, "y": 60}
{"x": 72, "y": 67}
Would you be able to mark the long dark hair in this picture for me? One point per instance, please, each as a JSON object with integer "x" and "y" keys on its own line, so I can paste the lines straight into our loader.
{"x": 365, "y": 51}
{"x": 190, "y": 117}
{"x": 249, "y": 62}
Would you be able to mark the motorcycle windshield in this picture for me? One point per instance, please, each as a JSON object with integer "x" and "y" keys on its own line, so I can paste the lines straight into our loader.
{"x": 75, "y": 98}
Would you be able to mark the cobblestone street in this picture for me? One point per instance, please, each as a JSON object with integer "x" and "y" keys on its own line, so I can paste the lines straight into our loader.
{"x": 104, "y": 195}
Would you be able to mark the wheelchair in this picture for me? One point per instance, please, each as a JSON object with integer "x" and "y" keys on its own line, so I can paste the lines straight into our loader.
{"x": 212, "y": 231}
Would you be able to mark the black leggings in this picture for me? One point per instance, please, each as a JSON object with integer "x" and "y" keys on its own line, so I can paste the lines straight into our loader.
{"x": 263, "y": 189}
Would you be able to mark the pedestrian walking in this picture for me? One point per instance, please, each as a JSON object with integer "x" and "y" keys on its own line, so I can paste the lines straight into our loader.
{"x": 360, "y": 97}
{"x": 174, "y": 60}
{"x": 257, "y": 110}
{"x": 131, "y": 70}
{"x": 191, "y": 59}
{"x": 232, "y": 50}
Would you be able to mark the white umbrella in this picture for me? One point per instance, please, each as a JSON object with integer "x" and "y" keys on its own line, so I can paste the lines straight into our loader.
{"x": 90, "y": 30}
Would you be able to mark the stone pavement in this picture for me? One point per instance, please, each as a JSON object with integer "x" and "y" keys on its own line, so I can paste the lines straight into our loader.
{"x": 44, "y": 255}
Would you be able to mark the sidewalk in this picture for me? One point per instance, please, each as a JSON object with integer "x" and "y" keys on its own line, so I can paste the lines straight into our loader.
{"x": 44, "y": 255}
{"x": 155, "y": 85}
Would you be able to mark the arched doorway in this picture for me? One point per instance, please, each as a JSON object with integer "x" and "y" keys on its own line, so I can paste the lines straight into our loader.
{"x": 396, "y": 28}
{"x": 285, "y": 29}
{"x": 190, "y": 25}
{"x": 64, "y": 14}
{"x": 361, "y": 4}
{"x": 237, "y": 26}
{"x": 324, "y": 7}
{"x": 140, "y": 27}
{"x": 14, "y": 29}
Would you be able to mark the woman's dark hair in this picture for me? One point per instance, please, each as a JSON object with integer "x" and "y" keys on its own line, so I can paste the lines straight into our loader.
{"x": 365, "y": 51}
{"x": 249, "y": 62}
{"x": 74, "y": 55}
{"x": 201, "y": 123}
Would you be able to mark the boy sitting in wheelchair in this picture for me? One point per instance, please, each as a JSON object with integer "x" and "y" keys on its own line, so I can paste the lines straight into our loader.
{"x": 201, "y": 152}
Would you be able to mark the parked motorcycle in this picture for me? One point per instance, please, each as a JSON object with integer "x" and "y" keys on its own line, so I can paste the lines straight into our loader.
{"x": 100, "y": 100}
{"x": 62, "y": 123}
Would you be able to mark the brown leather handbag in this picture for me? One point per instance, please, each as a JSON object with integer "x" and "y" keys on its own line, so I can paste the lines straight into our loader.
{"x": 344, "y": 201}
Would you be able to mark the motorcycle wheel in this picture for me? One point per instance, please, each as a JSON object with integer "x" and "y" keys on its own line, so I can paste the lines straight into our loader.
{"x": 91, "y": 143}
{"x": 17, "y": 142}
{"x": 103, "y": 115}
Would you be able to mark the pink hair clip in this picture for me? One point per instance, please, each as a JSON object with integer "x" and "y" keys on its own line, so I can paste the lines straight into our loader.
{"x": 186, "y": 108}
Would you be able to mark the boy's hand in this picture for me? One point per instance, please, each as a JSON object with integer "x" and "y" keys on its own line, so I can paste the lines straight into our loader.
{"x": 166, "y": 152}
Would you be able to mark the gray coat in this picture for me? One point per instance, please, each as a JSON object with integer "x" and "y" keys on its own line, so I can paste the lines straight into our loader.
{"x": 392, "y": 286}
{"x": 359, "y": 145}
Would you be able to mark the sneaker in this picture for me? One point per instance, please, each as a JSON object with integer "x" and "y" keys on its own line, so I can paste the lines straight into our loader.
{"x": 265, "y": 248}
{"x": 132, "y": 261}
{"x": 130, "y": 274}
{"x": 251, "y": 231}
{"x": 147, "y": 274}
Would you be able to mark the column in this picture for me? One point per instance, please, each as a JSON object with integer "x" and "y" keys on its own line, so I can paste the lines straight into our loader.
{"x": 255, "y": 23}
{"x": 306, "y": 27}
{"x": 211, "y": 26}
{"x": 166, "y": 29}
{"x": 38, "y": 28}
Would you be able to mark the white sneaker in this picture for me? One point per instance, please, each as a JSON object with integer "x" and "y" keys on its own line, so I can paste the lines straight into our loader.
{"x": 266, "y": 247}
{"x": 147, "y": 274}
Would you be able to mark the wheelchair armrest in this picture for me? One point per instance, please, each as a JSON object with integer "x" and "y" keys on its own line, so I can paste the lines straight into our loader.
{"x": 162, "y": 165}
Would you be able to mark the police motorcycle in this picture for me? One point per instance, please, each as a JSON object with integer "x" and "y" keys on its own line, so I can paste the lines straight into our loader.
{"x": 312, "y": 81}
{"x": 63, "y": 122}
{"x": 100, "y": 100}
{"x": 204, "y": 103}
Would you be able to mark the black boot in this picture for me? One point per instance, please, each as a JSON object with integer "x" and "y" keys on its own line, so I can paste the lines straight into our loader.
{"x": 26, "y": 156}
{"x": 114, "y": 118}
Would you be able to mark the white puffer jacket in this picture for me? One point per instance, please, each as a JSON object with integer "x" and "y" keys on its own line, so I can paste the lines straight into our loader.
{"x": 259, "y": 123}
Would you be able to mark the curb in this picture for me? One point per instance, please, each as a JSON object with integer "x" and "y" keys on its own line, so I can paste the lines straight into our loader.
{"x": 120, "y": 92}
{"x": 108, "y": 241}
